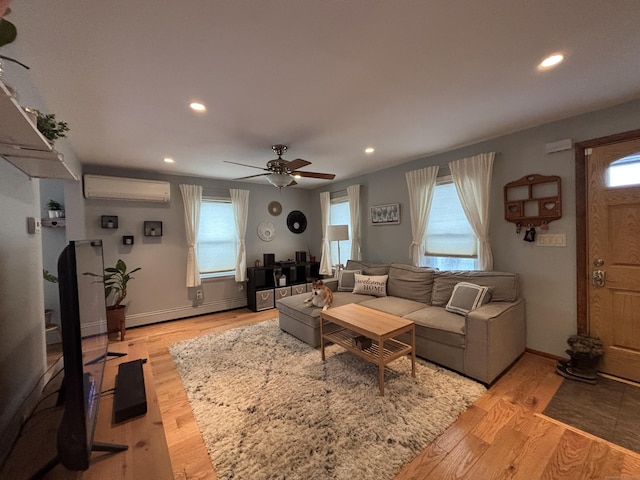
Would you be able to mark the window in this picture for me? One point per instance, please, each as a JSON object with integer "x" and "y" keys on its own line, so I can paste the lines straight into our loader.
{"x": 217, "y": 240}
{"x": 624, "y": 172}
{"x": 340, "y": 216}
{"x": 450, "y": 243}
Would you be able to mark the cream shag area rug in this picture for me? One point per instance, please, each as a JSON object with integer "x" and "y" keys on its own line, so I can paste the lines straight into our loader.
{"x": 269, "y": 408}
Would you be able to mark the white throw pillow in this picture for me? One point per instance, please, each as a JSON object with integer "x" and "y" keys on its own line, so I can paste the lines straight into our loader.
{"x": 371, "y": 285}
{"x": 347, "y": 280}
{"x": 467, "y": 297}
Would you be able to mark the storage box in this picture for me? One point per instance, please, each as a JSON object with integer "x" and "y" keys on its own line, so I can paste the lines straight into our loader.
{"x": 301, "y": 257}
{"x": 283, "y": 292}
{"x": 361, "y": 342}
{"x": 264, "y": 300}
{"x": 298, "y": 289}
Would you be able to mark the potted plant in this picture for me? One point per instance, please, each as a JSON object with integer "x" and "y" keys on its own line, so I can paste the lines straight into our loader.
{"x": 49, "y": 127}
{"x": 48, "y": 313}
{"x": 115, "y": 281}
{"x": 56, "y": 210}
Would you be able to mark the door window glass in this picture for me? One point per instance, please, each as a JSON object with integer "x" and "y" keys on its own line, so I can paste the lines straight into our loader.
{"x": 624, "y": 172}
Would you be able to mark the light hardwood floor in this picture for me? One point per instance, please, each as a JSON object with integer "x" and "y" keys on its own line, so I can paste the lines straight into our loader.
{"x": 502, "y": 436}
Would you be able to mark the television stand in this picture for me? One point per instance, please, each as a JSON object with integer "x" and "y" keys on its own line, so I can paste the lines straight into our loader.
{"x": 148, "y": 456}
{"x": 106, "y": 355}
{"x": 96, "y": 447}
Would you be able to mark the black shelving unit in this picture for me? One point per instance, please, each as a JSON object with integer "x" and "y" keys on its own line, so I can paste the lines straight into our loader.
{"x": 262, "y": 282}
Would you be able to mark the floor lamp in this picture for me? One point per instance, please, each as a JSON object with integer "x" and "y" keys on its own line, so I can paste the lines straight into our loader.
{"x": 336, "y": 233}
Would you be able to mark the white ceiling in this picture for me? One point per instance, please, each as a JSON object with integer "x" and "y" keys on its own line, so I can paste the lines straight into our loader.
{"x": 325, "y": 77}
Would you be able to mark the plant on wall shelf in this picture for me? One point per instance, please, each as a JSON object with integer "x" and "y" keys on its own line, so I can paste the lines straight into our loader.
{"x": 50, "y": 128}
{"x": 53, "y": 205}
{"x": 56, "y": 210}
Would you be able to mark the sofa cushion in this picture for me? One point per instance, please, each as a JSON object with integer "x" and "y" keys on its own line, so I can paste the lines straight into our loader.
{"x": 439, "y": 325}
{"x": 413, "y": 283}
{"x": 466, "y": 297}
{"x": 347, "y": 280}
{"x": 368, "y": 268}
{"x": 504, "y": 285}
{"x": 371, "y": 285}
{"x": 393, "y": 305}
{"x": 295, "y": 307}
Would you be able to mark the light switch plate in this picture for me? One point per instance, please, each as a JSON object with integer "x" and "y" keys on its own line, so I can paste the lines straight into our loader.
{"x": 33, "y": 225}
{"x": 551, "y": 240}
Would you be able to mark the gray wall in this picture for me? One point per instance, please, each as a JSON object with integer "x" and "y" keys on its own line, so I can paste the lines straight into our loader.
{"x": 548, "y": 274}
{"x": 22, "y": 345}
{"x": 158, "y": 291}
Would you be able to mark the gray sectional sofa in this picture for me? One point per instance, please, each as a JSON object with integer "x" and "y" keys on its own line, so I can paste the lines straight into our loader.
{"x": 480, "y": 344}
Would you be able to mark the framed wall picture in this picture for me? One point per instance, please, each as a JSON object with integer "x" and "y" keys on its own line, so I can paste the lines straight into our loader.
{"x": 385, "y": 214}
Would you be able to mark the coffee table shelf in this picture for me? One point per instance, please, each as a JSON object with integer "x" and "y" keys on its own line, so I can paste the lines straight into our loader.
{"x": 392, "y": 348}
{"x": 341, "y": 325}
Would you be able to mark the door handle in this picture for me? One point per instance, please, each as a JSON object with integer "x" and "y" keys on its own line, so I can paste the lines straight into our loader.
{"x": 597, "y": 278}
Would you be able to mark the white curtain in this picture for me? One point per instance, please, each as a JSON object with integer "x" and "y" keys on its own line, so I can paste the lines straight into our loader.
{"x": 192, "y": 198}
{"x": 325, "y": 213}
{"x": 240, "y": 204}
{"x": 472, "y": 178}
{"x": 421, "y": 184}
{"x": 353, "y": 194}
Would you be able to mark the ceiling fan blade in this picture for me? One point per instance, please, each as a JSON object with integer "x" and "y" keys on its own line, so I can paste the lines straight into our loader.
{"x": 252, "y": 176}
{"x": 297, "y": 163}
{"x": 244, "y": 165}
{"x": 324, "y": 176}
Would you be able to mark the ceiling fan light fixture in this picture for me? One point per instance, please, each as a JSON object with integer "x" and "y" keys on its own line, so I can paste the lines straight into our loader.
{"x": 279, "y": 180}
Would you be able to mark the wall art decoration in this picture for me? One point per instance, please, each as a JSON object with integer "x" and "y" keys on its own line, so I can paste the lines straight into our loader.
{"x": 385, "y": 214}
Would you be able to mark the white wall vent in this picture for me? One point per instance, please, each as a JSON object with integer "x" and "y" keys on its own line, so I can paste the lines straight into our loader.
{"x": 120, "y": 188}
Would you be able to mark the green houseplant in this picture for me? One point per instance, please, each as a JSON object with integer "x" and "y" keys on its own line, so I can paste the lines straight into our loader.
{"x": 48, "y": 313}
{"x": 49, "y": 127}
{"x": 56, "y": 210}
{"x": 115, "y": 281}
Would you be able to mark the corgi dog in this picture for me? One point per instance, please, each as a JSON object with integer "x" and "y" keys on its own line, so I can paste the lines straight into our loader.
{"x": 321, "y": 295}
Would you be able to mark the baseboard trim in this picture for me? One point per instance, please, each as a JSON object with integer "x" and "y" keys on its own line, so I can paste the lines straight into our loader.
{"x": 147, "y": 318}
{"x": 543, "y": 354}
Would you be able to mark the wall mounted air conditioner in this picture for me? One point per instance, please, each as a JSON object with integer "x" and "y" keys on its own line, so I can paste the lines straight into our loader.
{"x": 120, "y": 188}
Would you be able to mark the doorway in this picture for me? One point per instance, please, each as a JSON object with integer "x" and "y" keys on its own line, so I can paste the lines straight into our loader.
{"x": 608, "y": 256}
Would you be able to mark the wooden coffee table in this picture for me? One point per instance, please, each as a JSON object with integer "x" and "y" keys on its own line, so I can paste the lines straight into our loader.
{"x": 353, "y": 321}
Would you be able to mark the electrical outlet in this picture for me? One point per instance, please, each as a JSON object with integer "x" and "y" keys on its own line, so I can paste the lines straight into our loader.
{"x": 199, "y": 295}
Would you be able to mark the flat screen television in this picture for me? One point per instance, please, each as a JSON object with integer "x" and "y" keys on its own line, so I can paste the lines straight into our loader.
{"x": 83, "y": 317}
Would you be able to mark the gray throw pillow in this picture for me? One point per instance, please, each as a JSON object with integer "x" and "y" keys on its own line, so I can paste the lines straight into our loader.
{"x": 347, "y": 280}
{"x": 467, "y": 297}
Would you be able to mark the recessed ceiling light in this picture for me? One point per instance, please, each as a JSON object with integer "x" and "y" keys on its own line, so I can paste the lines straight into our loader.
{"x": 551, "y": 61}
{"x": 369, "y": 150}
{"x": 169, "y": 160}
{"x": 197, "y": 106}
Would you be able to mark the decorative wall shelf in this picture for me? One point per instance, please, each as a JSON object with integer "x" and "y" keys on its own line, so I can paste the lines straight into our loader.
{"x": 127, "y": 239}
{"x": 24, "y": 146}
{"x": 152, "y": 228}
{"x": 53, "y": 222}
{"x": 533, "y": 200}
{"x": 109, "y": 221}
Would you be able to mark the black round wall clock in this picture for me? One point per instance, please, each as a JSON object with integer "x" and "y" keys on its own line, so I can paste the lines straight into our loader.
{"x": 296, "y": 221}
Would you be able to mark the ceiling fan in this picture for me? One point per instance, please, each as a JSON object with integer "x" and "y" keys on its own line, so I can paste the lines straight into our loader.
{"x": 281, "y": 173}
